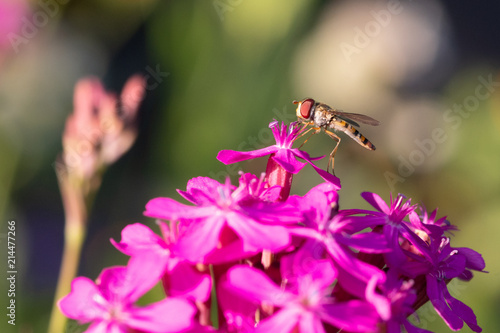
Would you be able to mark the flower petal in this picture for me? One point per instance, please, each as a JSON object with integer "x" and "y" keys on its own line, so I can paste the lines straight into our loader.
{"x": 454, "y": 266}
{"x": 169, "y": 315}
{"x": 255, "y": 285}
{"x": 138, "y": 237}
{"x": 381, "y": 303}
{"x": 376, "y": 201}
{"x": 353, "y": 274}
{"x": 200, "y": 238}
{"x": 184, "y": 280}
{"x": 169, "y": 209}
{"x": 435, "y": 293}
{"x": 238, "y": 311}
{"x": 368, "y": 242}
{"x": 201, "y": 190}
{"x": 127, "y": 284}
{"x": 284, "y": 321}
{"x": 258, "y": 236}
{"x": 351, "y": 316}
{"x": 463, "y": 311}
{"x": 308, "y": 322}
{"x": 273, "y": 213}
{"x": 474, "y": 259}
{"x": 112, "y": 284}
{"x": 107, "y": 326}
{"x": 83, "y": 303}
{"x": 287, "y": 160}
{"x": 325, "y": 175}
{"x": 232, "y": 156}
{"x": 412, "y": 329}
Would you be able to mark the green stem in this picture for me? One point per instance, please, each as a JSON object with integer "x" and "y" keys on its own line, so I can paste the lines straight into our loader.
{"x": 75, "y": 230}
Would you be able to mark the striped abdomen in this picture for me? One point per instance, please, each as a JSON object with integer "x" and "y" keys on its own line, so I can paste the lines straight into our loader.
{"x": 348, "y": 129}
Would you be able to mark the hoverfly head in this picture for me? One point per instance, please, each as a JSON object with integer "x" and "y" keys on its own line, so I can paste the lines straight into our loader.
{"x": 305, "y": 108}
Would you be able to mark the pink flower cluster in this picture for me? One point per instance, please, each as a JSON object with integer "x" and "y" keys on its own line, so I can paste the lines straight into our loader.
{"x": 102, "y": 126}
{"x": 261, "y": 260}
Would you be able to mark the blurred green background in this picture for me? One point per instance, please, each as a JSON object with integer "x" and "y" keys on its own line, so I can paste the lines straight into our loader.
{"x": 223, "y": 70}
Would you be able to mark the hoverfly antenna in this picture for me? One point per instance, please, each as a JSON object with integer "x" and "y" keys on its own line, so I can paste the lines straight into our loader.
{"x": 295, "y": 102}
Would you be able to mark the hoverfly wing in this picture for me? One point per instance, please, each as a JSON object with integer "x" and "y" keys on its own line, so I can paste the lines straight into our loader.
{"x": 354, "y": 117}
{"x": 347, "y": 120}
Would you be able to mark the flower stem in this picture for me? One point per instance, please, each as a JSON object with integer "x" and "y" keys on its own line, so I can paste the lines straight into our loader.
{"x": 75, "y": 211}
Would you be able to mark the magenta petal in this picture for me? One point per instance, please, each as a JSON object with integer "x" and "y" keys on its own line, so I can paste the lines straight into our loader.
{"x": 84, "y": 303}
{"x": 200, "y": 190}
{"x": 106, "y": 326}
{"x": 203, "y": 184}
{"x": 358, "y": 223}
{"x": 112, "y": 283}
{"x": 306, "y": 232}
{"x": 310, "y": 323}
{"x": 328, "y": 177}
{"x": 168, "y": 315}
{"x": 274, "y": 213}
{"x": 315, "y": 207}
{"x": 185, "y": 281}
{"x": 368, "y": 242}
{"x": 169, "y": 209}
{"x": 410, "y": 328}
{"x": 454, "y": 266}
{"x": 376, "y": 201}
{"x": 257, "y": 286}
{"x": 258, "y": 236}
{"x": 200, "y": 238}
{"x": 303, "y": 266}
{"x": 325, "y": 175}
{"x": 474, "y": 260}
{"x": 393, "y": 327}
{"x": 322, "y": 272}
{"x": 283, "y": 321}
{"x": 232, "y": 156}
{"x": 434, "y": 291}
{"x": 397, "y": 256}
{"x": 232, "y": 251}
{"x": 381, "y": 303}
{"x": 463, "y": 311}
{"x": 138, "y": 237}
{"x": 351, "y": 316}
{"x": 238, "y": 311}
{"x": 129, "y": 283}
{"x": 287, "y": 160}
{"x": 144, "y": 271}
{"x": 353, "y": 274}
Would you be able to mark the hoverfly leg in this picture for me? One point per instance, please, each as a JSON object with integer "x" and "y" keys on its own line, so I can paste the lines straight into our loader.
{"x": 316, "y": 131}
{"x": 334, "y": 151}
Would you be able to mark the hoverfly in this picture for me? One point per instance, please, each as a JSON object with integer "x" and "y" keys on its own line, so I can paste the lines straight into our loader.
{"x": 321, "y": 116}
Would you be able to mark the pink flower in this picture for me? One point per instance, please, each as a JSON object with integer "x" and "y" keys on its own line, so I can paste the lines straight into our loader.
{"x": 282, "y": 152}
{"x": 332, "y": 232}
{"x": 180, "y": 278}
{"x": 392, "y": 221}
{"x": 440, "y": 263}
{"x": 102, "y": 127}
{"x": 303, "y": 300}
{"x": 109, "y": 303}
{"x": 227, "y": 223}
{"x": 393, "y": 300}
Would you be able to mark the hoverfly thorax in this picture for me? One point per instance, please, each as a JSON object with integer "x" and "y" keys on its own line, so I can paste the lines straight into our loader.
{"x": 305, "y": 108}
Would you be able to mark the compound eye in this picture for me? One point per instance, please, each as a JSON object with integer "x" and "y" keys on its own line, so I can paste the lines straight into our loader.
{"x": 306, "y": 107}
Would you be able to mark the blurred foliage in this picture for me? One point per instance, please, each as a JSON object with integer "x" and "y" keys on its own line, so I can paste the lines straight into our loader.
{"x": 219, "y": 72}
